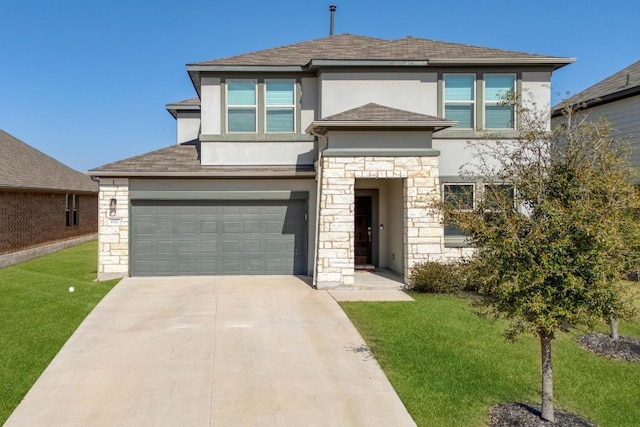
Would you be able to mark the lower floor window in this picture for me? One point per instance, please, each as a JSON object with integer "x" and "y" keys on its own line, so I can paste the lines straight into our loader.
{"x": 460, "y": 197}
{"x": 71, "y": 210}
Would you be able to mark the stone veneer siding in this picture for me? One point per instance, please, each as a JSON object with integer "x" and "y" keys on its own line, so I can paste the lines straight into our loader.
{"x": 423, "y": 234}
{"x": 113, "y": 239}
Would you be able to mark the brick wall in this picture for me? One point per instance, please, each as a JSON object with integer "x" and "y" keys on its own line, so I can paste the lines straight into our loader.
{"x": 31, "y": 219}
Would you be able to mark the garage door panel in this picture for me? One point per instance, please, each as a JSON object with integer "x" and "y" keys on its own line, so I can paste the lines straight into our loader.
{"x": 164, "y": 247}
{"x": 163, "y": 227}
{"x": 208, "y": 227}
{"x": 218, "y": 237}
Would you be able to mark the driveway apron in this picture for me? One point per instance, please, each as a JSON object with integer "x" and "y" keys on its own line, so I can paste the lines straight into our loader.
{"x": 213, "y": 351}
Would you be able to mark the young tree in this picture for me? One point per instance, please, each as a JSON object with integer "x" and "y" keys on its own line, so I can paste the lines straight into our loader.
{"x": 552, "y": 227}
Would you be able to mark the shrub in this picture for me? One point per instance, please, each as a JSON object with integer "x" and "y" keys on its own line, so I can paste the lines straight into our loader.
{"x": 433, "y": 277}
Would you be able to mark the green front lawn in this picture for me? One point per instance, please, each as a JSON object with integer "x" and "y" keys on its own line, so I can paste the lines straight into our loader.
{"x": 449, "y": 366}
{"x": 38, "y": 314}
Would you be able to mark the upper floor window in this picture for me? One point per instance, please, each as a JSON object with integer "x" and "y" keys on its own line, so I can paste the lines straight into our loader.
{"x": 459, "y": 99}
{"x": 241, "y": 106}
{"x": 498, "y": 110}
{"x": 280, "y": 105}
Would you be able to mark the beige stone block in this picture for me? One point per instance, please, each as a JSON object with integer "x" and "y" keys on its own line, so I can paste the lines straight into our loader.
{"x": 346, "y": 199}
{"x": 430, "y": 231}
{"x": 110, "y": 259}
{"x": 426, "y": 249}
{"x": 341, "y": 245}
{"x": 329, "y": 277}
{"x": 334, "y": 237}
{"x": 407, "y": 161}
{"x": 348, "y": 280}
{"x": 378, "y": 166}
{"x": 109, "y": 238}
{"x": 333, "y": 173}
{"x": 342, "y": 226}
{"x": 115, "y": 268}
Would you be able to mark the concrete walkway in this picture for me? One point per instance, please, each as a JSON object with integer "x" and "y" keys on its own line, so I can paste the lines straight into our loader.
{"x": 205, "y": 351}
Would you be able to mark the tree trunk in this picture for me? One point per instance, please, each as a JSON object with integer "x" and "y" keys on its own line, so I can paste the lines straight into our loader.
{"x": 547, "y": 377}
{"x": 613, "y": 324}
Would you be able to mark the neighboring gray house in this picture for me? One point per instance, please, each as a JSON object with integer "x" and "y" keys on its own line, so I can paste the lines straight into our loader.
{"x": 618, "y": 99}
{"x": 316, "y": 158}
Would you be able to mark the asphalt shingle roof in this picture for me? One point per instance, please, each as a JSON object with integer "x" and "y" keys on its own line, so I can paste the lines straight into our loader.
{"x": 377, "y": 112}
{"x": 24, "y": 167}
{"x": 623, "y": 80}
{"x": 352, "y": 47}
{"x": 185, "y": 159}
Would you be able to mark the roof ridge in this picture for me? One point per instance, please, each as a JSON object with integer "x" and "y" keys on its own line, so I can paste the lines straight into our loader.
{"x": 290, "y": 45}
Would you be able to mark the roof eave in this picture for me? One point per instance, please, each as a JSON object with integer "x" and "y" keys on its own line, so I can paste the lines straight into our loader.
{"x": 198, "y": 68}
{"x": 174, "y": 108}
{"x": 552, "y": 61}
{"x": 201, "y": 174}
{"x": 321, "y": 127}
{"x": 594, "y": 102}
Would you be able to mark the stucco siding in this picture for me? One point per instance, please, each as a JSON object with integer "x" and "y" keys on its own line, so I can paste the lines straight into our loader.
{"x": 417, "y": 91}
{"x": 188, "y": 126}
{"x": 309, "y": 101}
{"x": 235, "y": 153}
{"x": 380, "y": 139}
{"x": 210, "y": 102}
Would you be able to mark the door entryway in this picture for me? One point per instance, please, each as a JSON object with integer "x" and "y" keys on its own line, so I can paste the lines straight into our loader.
{"x": 366, "y": 233}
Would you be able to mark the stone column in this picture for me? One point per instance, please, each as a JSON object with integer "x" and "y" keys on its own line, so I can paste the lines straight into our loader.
{"x": 113, "y": 230}
{"x": 335, "y": 257}
{"x": 423, "y": 231}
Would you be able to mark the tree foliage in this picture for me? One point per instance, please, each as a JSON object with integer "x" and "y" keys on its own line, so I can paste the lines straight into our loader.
{"x": 550, "y": 251}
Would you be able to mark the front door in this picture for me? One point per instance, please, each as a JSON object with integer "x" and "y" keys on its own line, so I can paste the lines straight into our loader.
{"x": 363, "y": 231}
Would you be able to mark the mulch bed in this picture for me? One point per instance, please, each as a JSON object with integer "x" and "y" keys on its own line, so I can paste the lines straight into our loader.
{"x": 624, "y": 348}
{"x": 522, "y": 415}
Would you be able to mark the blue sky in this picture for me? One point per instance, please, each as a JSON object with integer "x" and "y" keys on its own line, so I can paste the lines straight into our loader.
{"x": 86, "y": 81}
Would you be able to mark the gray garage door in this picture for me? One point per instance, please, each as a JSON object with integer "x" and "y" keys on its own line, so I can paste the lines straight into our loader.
{"x": 218, "y": 237}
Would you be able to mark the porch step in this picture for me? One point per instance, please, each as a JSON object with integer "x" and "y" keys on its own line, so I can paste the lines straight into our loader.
{"x": 376, "y": 279}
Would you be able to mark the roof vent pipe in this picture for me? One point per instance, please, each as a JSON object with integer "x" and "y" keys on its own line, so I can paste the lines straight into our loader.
{"x": 332, "y": 10}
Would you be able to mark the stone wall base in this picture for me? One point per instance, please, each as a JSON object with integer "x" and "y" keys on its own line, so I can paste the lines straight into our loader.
{"x": 22, "y": 256}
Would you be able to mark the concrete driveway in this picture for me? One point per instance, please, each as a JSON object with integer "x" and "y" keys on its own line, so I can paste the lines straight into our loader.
{"x": 213, "y": 351}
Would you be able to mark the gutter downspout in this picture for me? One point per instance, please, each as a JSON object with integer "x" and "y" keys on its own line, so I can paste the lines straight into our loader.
{"x": 318, "y": 198}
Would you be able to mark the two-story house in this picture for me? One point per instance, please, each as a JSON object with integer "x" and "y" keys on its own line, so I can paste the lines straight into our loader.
{"x": 316, "y": 158}
{"x": 616, "y": 98}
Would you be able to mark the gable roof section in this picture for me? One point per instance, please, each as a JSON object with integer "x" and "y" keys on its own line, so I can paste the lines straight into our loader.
{"x": 23, "y": 167}
{"x": 374, "y": 115}
{"x": 620, "y": 85}
{"x": 300, "y": 53}
{"x": 359, "y": 48}
{"x": 192, "y": 104}
{"x": 183, "y": 160}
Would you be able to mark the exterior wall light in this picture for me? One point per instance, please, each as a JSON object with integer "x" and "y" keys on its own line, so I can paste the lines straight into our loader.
{"x": 113, "y": 205}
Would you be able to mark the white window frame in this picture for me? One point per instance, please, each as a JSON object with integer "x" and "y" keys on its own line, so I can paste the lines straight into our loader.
{"x": 486, "y": 102}
{"x": 229, "y": 106}
{"x": 266, "y": 106}
{"x": 473, "y": 103}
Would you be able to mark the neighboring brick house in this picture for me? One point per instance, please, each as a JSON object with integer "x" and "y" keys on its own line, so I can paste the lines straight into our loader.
{"x": 316, "y": 158}
{"x": 42, "y": 201}
{"x": 616, "y": 98}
